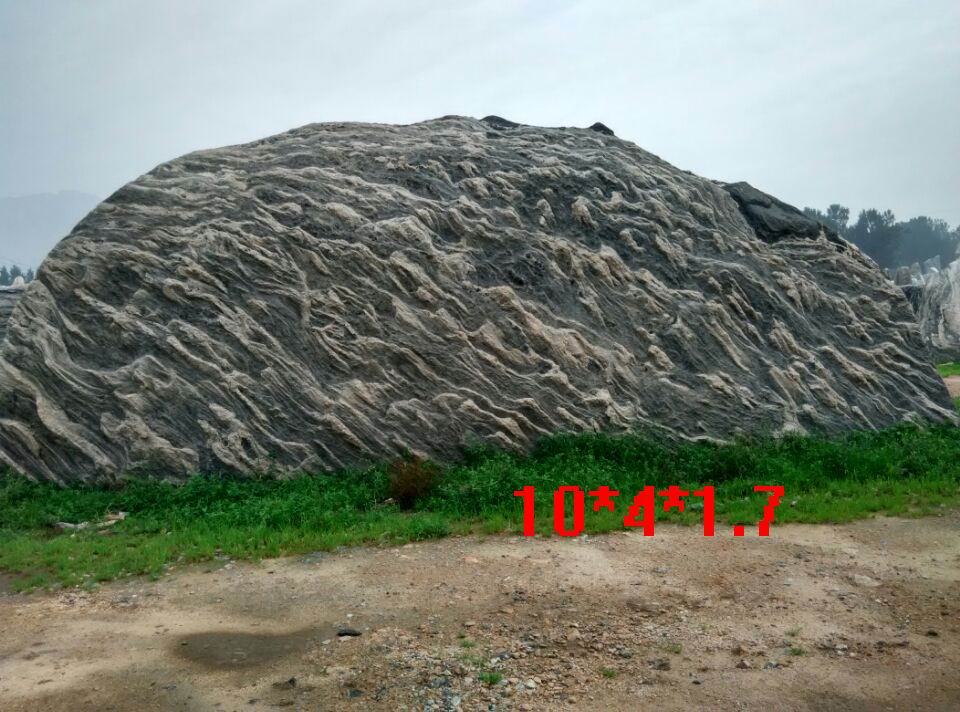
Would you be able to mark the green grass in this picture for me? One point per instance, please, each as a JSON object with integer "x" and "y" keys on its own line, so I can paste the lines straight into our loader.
{"x": 949, "y": 369}
{"x": 608, "y": 673}
{"x": 902, "y": 471}
{"x": 491, "y": 678}
{"x": 475, "y": 660}
{"x": 797, "y": 652}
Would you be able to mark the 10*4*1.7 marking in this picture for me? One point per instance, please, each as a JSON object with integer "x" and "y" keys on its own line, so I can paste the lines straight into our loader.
{"x": 641, "y": 512}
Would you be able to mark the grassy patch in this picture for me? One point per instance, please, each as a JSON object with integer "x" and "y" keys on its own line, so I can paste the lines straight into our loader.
{"x": 902, "y": 471}
{"x": 475, "y": 660}
{"x": 491, "y": 678}
{"x": 608, "y": 673}
{"x": 949, "y": 369}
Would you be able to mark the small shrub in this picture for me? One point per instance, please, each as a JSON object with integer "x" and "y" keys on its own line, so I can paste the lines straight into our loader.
{"x": 608, "y": 673}
{"x": 491, "y": 678}
{"x": 410, "y": 479}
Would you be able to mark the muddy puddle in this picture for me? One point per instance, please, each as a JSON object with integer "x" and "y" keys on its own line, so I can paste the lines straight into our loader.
{"x": 230, "y": 650}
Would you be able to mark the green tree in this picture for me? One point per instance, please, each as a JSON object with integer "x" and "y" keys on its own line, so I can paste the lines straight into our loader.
{"x": 836, "y": 217}
{"x": 839, "y": 216}
{"x": 878, "y": 234}
{"x": 4, "y": 276}
{"x": 30, "y": 275}
{"x": 890, "y": 243}
{"x": 14, "y": 273}
{"x": 924, "y": 238}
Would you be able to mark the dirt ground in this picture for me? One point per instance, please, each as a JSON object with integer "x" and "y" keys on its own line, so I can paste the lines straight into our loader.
{"x": 953, "y": 385}
{"x": 871, "y": 612}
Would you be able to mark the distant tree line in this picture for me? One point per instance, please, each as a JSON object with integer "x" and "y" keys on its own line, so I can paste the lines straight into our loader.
{"x": 9, "y": 276}
{"x": 892, "y": 243}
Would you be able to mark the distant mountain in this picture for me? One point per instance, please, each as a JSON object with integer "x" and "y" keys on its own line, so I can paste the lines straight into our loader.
{"x": 30, "y": 225}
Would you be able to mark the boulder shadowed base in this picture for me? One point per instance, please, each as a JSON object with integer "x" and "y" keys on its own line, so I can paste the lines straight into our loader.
{"x": 342, "y": 292}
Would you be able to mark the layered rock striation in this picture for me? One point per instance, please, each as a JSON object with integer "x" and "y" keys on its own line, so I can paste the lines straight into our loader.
{"x": 9, "y": 296}
{"x": 937, "y": 304}
{"x": 342, "y": 292}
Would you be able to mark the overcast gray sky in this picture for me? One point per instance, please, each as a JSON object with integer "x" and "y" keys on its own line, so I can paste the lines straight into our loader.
{"x": 815, "y": 102}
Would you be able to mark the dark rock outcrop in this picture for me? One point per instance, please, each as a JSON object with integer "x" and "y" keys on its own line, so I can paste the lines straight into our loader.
{"x": 342, "y": 292}
{"x": 914, "y": 295}
{"x": 773, "y": 220}
{"x": 602, "y": 128}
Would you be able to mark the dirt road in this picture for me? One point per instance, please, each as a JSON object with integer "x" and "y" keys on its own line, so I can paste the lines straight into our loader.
{"x": 858, "y": 617}
{"x": 953, "y": 385}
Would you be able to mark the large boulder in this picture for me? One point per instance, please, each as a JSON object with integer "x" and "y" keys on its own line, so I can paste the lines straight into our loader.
{"x": 342, "y": 292}
{"x": 937, "y": 305}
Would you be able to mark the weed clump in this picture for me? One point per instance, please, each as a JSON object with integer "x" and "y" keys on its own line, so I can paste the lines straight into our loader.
{"x": 491, "y": 678}
{"x": 411, "y": 479}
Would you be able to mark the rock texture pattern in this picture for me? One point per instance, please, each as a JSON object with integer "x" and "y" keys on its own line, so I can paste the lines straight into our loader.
{"x": 9, "y": 296}
{"x": 937, "y": 304}
{"x": 341, "y": 292}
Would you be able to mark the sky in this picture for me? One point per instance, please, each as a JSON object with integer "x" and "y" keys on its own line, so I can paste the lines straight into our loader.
{"x": 856, "y": 102}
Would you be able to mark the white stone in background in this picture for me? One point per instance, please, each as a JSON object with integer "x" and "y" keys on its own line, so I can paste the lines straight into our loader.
{"x": 939, "y": 311}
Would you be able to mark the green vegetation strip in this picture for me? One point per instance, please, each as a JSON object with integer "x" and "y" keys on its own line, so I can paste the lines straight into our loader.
{"x": 902, "y": 471}
{"x": 949, "y": 369}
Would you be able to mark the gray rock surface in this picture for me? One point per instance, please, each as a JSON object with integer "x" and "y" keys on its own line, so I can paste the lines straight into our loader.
{"x": 937, "y": 305}
{"x": 9, "y": 296}
{"x": 340, "y": 292}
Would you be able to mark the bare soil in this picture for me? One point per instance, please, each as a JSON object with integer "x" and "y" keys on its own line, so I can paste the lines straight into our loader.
{"x": 856, "y": 617}
{"x": 953, "y": 385}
